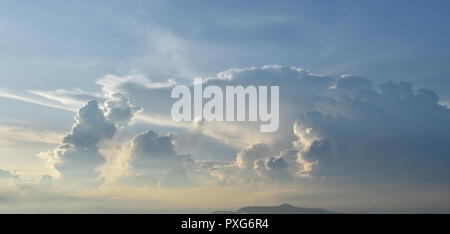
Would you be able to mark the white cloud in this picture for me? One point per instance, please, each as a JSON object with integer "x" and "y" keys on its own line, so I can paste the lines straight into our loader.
{"x": 352, "y": 130}
{"x": 5, "y": 94}
{"x": 12, "y": 135}
{"x": 77, "y": 158}
{"x": 112, "y": 84}
{"x": 71, "y": 98}
{"x": 345, "y": 128}
{"x": 154, "y": 161}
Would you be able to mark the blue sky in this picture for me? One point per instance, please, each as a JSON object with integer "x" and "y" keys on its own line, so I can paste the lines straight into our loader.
{"x": 55, "y": 56}
{"x": 76, "y": 42}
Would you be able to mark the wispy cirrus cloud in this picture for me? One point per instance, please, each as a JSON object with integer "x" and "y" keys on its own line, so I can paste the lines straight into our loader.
{"x": 11, "y": 135}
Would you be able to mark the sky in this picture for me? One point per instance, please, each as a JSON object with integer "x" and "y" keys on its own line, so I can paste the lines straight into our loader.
{"x": 85, "y": 104}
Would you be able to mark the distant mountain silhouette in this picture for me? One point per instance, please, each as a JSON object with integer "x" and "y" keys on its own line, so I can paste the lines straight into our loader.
{"x": 282, "y": 209}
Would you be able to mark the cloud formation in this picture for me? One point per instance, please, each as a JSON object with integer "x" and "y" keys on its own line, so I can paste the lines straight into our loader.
{"x": 77, "y": 158}
{"x": 384, "y": 131}
{"x": 154, "y": 161}
{"x": 4, "y": 174}
{"x": 350, "y": 128}
{"x": 344, "y": 128}
{"x": 118, "y": 109}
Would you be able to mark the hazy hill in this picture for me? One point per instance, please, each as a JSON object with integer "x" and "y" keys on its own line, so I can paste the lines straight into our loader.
{"x": 282, "y": 209}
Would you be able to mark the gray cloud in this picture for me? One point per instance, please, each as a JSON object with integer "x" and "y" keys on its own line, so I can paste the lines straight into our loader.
{"x": 118, "y": 109}
{"x": 384, "y": 131}
{"x": 247, "y": 157}
{"x": 274, "y": 168}
{"x": 90, "y": 128}
{"x": 8, "y": 177}
{"x": 4, "y": 174}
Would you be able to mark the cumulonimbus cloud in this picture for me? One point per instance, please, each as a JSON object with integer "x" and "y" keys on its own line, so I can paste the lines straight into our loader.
{"x": 344, "y": 127}
{"x": 348, "y": 127}
{"x": 77, "y": 158}
{"x": 153, "y": 161}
